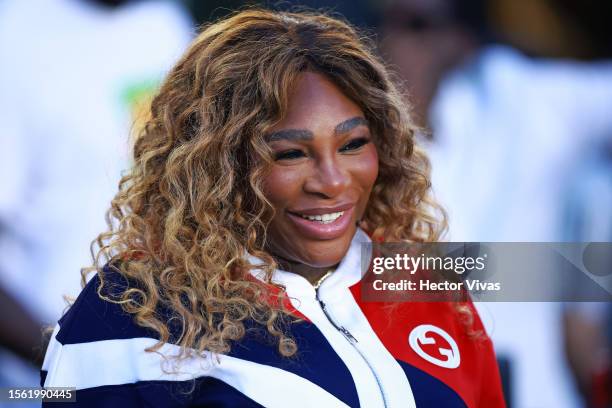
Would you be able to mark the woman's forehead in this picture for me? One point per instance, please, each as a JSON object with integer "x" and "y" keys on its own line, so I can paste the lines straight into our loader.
{"x": 317, "y": 104}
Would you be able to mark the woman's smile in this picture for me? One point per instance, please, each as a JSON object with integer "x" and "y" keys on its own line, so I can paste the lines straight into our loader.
{"x": 323, "y": 223}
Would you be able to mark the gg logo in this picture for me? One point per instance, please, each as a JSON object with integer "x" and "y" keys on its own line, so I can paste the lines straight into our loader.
{"x": 420, "y": 335}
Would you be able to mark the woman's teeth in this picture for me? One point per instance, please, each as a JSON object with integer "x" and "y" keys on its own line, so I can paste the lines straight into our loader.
{"x": 324, "y": 218}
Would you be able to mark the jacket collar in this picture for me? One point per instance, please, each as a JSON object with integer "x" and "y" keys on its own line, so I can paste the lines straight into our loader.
{"x": 349, "y": 271}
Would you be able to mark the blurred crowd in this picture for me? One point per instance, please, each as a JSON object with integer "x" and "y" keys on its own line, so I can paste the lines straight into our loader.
{"x": 514, "y": 99}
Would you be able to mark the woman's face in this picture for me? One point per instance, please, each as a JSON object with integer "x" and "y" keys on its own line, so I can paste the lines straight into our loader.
{"x": 325, "y": 165}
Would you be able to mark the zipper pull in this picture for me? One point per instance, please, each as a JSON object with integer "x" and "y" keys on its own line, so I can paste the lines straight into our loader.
{"x": 341, "y": 329}
{"x": 348, "y": 335}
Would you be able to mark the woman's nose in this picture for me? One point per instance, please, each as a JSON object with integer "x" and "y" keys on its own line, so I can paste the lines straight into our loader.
{"x": 328, "y": 178}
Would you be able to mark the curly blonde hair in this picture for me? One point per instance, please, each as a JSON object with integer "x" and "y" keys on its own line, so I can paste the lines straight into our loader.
{"x": 192, "y": 206}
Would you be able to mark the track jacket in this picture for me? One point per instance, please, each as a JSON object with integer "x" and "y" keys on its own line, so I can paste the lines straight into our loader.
{"x": 350, "y": 354}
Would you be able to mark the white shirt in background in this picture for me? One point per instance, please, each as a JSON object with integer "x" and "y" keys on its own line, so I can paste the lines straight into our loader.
{"x": 508, "y": 133}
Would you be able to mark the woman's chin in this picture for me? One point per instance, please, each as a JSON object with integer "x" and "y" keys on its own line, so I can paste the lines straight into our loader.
{"x": 324, "y": 255}
{"x": 299, "y": 252}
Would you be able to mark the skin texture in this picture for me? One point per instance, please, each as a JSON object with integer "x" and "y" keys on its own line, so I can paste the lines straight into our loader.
{"x": 324, "y": 157}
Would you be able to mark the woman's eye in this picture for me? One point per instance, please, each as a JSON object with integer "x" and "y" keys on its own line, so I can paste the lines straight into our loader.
{"x": 355, "y": 144}
{"x": 288, "y": 155}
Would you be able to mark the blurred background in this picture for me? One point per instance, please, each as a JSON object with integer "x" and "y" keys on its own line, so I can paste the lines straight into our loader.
{"x": 514, "y": 98}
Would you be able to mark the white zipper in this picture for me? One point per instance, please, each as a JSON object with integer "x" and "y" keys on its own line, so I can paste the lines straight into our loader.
{"x": 351, "y": 339}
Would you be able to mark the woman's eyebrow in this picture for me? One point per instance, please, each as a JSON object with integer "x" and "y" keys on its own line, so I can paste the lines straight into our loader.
{"x": 303, "y": 134}
{"x": 350, "y": 124}
{"x": 289, "y": 134}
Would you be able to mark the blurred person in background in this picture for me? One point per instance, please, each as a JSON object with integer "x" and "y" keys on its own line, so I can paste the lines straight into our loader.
{"x": 507, "y": 132}
{"x": 74, "y": 75}
{"x": 588, "y": 326}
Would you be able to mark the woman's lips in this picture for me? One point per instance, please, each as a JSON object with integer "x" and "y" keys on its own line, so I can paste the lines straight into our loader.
{"x": 323, "y": 231}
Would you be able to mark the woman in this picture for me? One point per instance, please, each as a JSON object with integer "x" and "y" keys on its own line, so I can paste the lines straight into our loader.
{"x": 277, "y": 145}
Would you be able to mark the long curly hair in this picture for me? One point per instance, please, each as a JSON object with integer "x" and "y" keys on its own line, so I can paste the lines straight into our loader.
{"x": 192, "y": 205}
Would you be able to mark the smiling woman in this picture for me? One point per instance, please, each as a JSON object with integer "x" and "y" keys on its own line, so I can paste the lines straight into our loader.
{"x": 231, "y": 272}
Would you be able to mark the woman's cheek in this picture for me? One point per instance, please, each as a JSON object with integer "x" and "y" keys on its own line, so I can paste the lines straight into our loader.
{"x": 366, "y": 173}
{"x": 280, "y": 185}
{"x": 368, "y": 167}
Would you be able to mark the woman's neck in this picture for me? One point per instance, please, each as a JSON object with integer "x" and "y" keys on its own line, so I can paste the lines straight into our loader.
{"x": 310, "y": 273}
